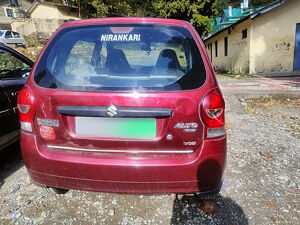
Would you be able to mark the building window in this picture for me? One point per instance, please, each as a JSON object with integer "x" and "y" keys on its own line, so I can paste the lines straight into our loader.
{"x": 226, "y": 46}
{"x": 14, "y": 2}
{"x": 216, "y": 48}
{"x": 244, "y": 34}
{"x": 9, "y": 12}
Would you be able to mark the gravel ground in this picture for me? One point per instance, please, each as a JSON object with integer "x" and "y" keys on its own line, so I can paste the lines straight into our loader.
{"x": 261, "y": 185}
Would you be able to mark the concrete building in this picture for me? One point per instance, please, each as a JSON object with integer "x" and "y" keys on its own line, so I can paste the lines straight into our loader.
{"x": 48, "y": 10}
{"x": 266, "y": 41}
{"x": 12, "y": 9}
{"x": 43, "y": 18}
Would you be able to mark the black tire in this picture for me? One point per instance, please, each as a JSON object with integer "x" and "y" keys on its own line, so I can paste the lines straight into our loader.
{"x": 54, "y": 190}
{"x": 207, "y": 196}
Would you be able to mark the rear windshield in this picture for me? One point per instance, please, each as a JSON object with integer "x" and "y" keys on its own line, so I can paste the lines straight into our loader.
{"x": 121, "y": 58}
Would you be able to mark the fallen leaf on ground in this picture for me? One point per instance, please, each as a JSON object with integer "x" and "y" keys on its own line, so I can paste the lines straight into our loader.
{"x": 271, "y": 206}
{"x": 273, "y": 220}
{"x": 266, "y": 154}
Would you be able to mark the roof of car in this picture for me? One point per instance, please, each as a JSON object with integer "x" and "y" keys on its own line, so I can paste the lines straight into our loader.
{"x": 126, "y": 20}
{"x": 9, "y": 30}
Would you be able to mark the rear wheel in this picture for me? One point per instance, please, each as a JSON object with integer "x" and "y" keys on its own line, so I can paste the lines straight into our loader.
{"x": 207, "y": 196}
{"x": 54, "y": 190}
{"x": 198, "y": 196}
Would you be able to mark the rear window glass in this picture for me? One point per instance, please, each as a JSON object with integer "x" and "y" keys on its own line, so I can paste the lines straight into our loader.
{"x": 121, "y": 58}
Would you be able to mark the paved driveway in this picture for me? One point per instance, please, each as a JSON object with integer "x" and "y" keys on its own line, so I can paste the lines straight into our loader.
{"x": 283, "y": 84}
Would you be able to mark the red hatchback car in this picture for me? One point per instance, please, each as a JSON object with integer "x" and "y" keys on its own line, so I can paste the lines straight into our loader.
{"x": 127, "y": 105}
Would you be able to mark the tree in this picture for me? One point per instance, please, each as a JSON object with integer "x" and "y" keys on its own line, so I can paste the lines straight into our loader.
{"x": 112, "y": 8}
{"x": 198, "y": 12}
{"x": 223, "y": 4}
{"x": 257, "y": 3}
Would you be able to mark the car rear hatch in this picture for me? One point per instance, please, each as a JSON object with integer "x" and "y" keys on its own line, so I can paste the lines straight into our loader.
{"x": 147, "y": 124}
{"x": 120, "y": 89}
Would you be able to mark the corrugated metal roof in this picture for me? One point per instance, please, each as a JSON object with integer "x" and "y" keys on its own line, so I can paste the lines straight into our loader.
{"x": 252, "y": 15}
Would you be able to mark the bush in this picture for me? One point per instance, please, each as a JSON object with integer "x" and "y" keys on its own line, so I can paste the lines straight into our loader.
{"x": 30, "y": 41}
{"x": 238, "y": 75}
{"x": 233, "y": 74}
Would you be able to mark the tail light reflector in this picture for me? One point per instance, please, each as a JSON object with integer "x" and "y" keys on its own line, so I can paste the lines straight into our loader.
{"x": 47, "y": 133}
{"x": 26, "y": 109}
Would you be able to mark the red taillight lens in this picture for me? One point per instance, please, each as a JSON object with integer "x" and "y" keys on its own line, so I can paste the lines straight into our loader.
{"x": 212, "y": 109}
{"x": 26, "y": 109}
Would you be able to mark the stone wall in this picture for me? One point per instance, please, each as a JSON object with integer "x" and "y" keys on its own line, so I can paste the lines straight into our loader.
{"x": 40, "y": 30}
{"x": 5, "y": 26}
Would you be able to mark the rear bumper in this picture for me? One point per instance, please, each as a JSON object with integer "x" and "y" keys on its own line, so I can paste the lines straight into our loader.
{"x": 201, "y": 171}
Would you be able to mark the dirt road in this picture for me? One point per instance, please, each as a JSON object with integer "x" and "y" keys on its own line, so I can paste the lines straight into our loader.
{"x": 261, "y": 183}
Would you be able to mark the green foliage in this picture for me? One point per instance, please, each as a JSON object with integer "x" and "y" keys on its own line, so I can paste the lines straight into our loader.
{"x": 30, "y": 41}
{"x": 112, "y": 8}
{"x": 257, "y": 3}
{"x": 197, "y": 12}
{"x": 233, "y": 74}
{"x": 238, "y": 75}
{"x": 9, "y": 62}
{"x": 223, "y": 4}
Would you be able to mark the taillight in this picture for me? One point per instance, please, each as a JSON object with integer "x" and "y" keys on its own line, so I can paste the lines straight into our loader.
{"x": 26, "y": 109}
{"x": 212, "y": 113}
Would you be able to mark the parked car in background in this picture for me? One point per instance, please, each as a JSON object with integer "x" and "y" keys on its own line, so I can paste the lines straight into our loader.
{"x": 128, "y": 105}
{"x": 12, "y": 38}
{"x": 14, "y": 70}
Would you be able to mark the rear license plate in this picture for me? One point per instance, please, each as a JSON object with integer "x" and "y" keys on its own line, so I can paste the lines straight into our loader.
{"x": 136, "y": 128}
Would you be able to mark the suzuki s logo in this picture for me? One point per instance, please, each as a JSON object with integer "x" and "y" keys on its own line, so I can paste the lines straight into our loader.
{"x": 112, "y": 111}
